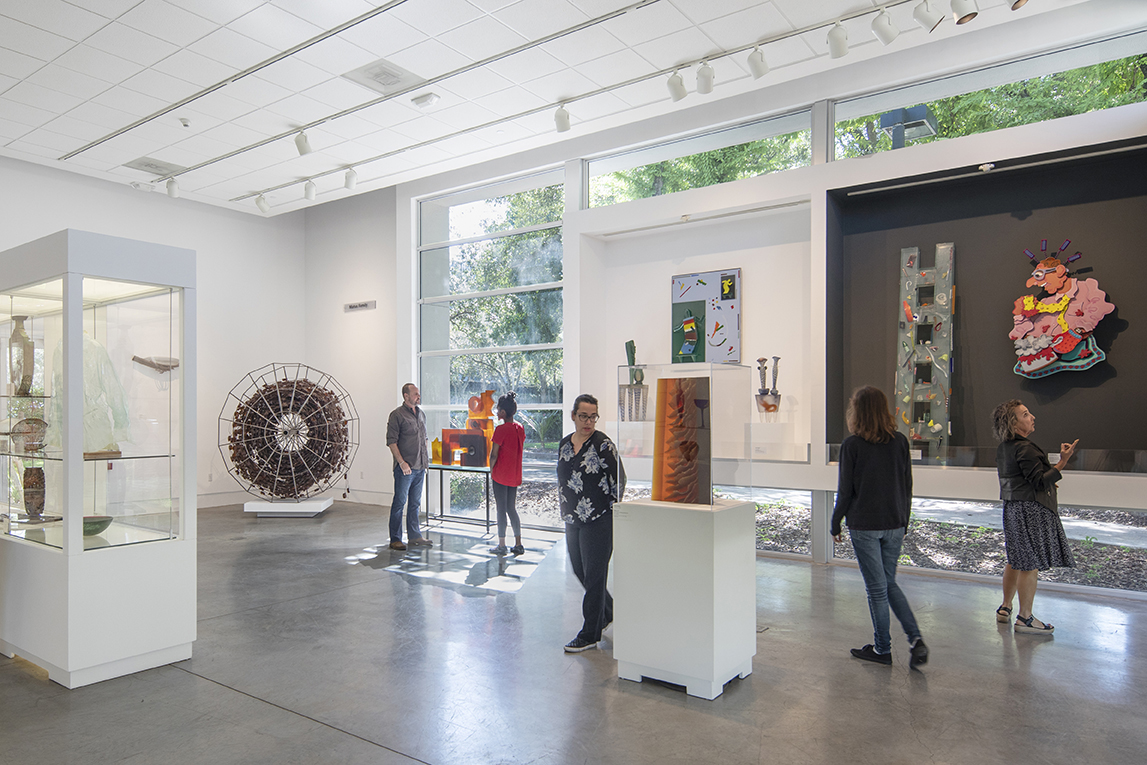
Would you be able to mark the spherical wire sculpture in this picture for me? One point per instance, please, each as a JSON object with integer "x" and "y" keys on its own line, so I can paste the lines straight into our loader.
{"x": 292, "y": 432}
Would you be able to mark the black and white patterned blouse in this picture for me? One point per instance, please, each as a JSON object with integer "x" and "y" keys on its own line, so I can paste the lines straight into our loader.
{"x": 588, "y": 480}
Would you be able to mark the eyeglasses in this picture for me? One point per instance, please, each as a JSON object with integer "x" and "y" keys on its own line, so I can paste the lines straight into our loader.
{"x": 587, "y": 417}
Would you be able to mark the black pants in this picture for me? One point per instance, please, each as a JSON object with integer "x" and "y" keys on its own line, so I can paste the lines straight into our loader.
{"x": 590, "y": 546}
{"x": 504, "y": 500}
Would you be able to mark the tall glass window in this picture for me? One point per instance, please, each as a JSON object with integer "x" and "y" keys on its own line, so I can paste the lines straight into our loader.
{"x": 490, "y": 318}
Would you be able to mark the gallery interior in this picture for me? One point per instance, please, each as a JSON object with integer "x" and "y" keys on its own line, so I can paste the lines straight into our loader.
{"x": 210, "y": 206}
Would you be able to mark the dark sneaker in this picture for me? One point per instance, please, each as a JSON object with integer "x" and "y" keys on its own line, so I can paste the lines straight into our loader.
{"x": 518, "y": 550}
{"x": 919, "y": 653}
{"x": 397, "y": 545}
{"x": 579, "y": 644}
{"x": 868, "y": 653}
{"x": 499, "y": 550}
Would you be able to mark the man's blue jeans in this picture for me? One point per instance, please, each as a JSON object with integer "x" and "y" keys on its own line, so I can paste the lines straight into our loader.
{"x": 877, "y": 553}
{"x": 407, "y": 491}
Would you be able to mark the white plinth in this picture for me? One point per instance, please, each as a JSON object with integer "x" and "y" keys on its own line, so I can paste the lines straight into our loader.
{"x": 685, "y": 593}
{"x": 307, "y": 509}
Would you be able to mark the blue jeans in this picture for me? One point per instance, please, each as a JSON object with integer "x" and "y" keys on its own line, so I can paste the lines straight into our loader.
{"x": 877, "y": 553}
{"x": 407, "y": 491}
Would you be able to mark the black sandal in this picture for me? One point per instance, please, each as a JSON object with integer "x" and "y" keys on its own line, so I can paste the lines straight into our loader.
{"x": 1004, "y": 614}
{"x": 1025, "y": 626}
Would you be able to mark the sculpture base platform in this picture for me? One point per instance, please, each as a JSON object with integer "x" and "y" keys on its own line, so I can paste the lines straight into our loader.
{"x": 307, "y": 509}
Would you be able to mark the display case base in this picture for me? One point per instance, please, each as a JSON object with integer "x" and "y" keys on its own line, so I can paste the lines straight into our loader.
{"x": 78, "y": 678}
{"x": 700, "y": 687}
{"x": 307, "y": 509}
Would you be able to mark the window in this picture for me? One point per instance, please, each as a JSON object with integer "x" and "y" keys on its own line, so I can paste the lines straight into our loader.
{"x": 733, "y": 154}
{"x": 490, "y": 318}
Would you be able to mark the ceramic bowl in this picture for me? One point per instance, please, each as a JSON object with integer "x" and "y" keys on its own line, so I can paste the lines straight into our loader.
{"x": 94, "y": 524}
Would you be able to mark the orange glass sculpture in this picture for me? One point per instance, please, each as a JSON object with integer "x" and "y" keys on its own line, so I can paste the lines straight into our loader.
{"x": 470, "y": 447}
{"x": 681, "y": 446}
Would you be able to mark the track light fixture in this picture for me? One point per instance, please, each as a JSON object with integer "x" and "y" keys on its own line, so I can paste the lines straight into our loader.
{"x": 261, "y": 203}
{"x": 964, "y": 11}
{"x": 927, "y": 17}
{"x": 757, "y": 64}
{"x": 172, "y": 188}
{"x": 351, "y": 179}
{"x": 562, "y": 119}
{"x": 883, "y": 27}
{"x": 705, "y": 77}
{"x": 676, "y": 87}
{"x": 309, "y": 191}
{"x": 302, "y": 143}
{"x": 1017, "y": 4}
{"x": 837, "y": 41}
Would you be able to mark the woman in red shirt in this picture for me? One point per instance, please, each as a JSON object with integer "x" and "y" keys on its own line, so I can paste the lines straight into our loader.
{"x": 506, "y": 472}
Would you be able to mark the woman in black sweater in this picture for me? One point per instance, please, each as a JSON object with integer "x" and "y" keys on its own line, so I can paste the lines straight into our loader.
{"x": 875, "y": 496}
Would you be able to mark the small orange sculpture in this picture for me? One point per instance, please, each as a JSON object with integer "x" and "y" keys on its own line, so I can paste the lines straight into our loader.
{"x": 470, "y": 447}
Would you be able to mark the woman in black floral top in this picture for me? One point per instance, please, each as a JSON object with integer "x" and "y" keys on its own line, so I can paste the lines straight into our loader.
{"x": 590, "y": 480}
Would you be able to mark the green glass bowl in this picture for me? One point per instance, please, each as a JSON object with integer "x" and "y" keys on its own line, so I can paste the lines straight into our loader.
{"x": 94, "y": 524}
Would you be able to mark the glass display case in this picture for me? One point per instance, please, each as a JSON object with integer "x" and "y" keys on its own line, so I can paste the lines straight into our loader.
{"x": 131, "y": 422}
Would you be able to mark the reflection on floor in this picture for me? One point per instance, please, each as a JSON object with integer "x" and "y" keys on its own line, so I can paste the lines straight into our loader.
{"x": 459, "y": 560}
{"x": 305, "y": 657}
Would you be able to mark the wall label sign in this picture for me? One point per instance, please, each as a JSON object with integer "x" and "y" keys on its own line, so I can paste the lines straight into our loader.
{"x": 364, "y": 305}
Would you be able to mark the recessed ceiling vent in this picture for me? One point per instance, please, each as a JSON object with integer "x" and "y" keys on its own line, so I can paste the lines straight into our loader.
{"x": 154, "y": 166}
{"x": 384, "y": 77}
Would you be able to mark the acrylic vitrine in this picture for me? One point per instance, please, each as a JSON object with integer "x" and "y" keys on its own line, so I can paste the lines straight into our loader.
{"x": 97, "y": 455}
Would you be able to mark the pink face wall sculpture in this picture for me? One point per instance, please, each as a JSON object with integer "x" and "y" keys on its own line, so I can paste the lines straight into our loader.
{"x": 1053, "y": 326}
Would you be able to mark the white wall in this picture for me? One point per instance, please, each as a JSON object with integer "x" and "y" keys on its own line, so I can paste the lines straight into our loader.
{"x": 350, "y": 257}
{"x": 250, "y": 278}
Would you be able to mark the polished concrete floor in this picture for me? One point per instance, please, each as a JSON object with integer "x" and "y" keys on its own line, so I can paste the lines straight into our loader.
{"x": 318, "y": 645}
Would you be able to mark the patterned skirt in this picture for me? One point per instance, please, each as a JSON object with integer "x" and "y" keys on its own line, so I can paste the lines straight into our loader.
{"x": 1033, "y": 537}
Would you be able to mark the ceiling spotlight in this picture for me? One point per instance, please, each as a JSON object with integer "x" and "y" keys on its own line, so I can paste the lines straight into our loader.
{"x": 172, "y": 188}
{"x": 309, "y": 190}
{"x": 1017, "y": 4}
{"x": 705, "y": 76}
{"x": 425, "y": 100}
{"x": 562, "y": 119}
{"x": 757, "y": 64}
{"x": 927, "y": 17}
{"x": 837, "y": 41}
{"x": 351, "y": 179}
{"x": 302, "y": 143}
{"x": 883, "y": 27}
{"x": 261, "y": 203}
{"x": 964, "y": 11}
{"x": 676, "y": 87}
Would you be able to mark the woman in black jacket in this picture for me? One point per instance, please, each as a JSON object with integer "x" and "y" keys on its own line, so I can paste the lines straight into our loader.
{"x": 875, "y": 495}
{"x": 1033, "y": 534}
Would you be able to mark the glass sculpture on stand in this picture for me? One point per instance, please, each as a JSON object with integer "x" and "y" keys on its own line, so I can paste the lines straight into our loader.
{"x": 768, "y": 401}
{"x": 924, "y": 350}
{"x": 632, "y": 398}
{"x": 469, "y": 446}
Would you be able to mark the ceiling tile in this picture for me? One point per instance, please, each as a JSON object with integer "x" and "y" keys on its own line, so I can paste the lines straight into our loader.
{"x": 293, "y": 74}
{"x": 256, "y": 91}
{"x": 162, "y": 132}
{"x": 339, "y": 94}
{"x": 351, "y": 152}
{"x": 198, "y": 121}
{"x": 700, "y": 11}
{"x": 426, "y": 155}
{"x": 791, "y": 50}
{"x": 595, "y": 8}
{"x": 274, "y": 27}
{"x": 422, "y": 129}
{"x": 300, "y": 109}
{"x": 42, "y": 98}
{"x": 219, "y": 11}
{"x": 229, "y": 47}
{"x": 503, "y": 133}
{"x": 10, "y": 130}
{"x": 222, "y": 106}
{"x": 107, "y": 8}
{"x": 481, "y": 38}
{"x": 234, "y": 135}
{"x": 106, "y": 117}
{"x": 70, "y": 126}
{"x": 194, "y": 68}
{"x": 642, "y": 93}
{"x": 617, "y": 67}
{"x": 45, "y": 46}
{"x": 336, "y": 55}
{"x": 350, "y": 127}
{"x": 327, "y": 14}
{"x": 23, "y": 146}
{"x": 465, "y": 115}
{"x": 511, "y": 101}
{"x": 13, "y": 64}
{"x": 527, "y": 65}
{"x": 583, "y": 46}
{"x": 168, "y": 22}
{"x": 265, "y": 123}
{"x": 160, "y": 85}
{"x": 802, "y": 13}
{"x": 561, "y": 85}
{"x": 534, "y": 19}
{"x": 99, "y": 64}
{"x": 746, "y": 27}
{"x": 461, "y": 145}
{"x": 474, "y": 84}
{"x": 489, "y": 6}
{"x": 648, "y": 23}
{"x": 428, "y": 59}
{"x": 677, "y": 48}
{"x": 120, "y": 40}
{"x": 54, "y": 16}
{"x": 67, "y": 81}
{"x": 6, "y": 82}
{"x": 433, "y": 17}
{"x": 601, "y": 105}
{"x": 383, "y": 35}
{"x": 131, "y": 101}
{"x": 203, "y": 146}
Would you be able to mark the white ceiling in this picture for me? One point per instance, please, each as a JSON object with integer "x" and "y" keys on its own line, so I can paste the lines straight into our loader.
{"x": 74, "y": 72}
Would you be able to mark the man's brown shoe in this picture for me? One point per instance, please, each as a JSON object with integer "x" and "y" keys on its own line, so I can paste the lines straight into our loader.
{"x": 397, "y": 546}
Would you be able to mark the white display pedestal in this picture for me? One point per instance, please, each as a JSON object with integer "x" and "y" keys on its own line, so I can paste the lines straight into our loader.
{"x": 307, "y": 509}
{"x": 685, "y": 593}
